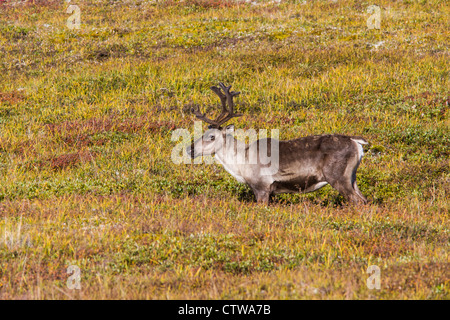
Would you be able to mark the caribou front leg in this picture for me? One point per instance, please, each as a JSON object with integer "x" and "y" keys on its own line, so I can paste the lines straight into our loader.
{"x": 262, "y": 196}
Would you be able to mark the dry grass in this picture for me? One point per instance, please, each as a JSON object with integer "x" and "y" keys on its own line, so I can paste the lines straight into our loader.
{"x": 158, "y": 247}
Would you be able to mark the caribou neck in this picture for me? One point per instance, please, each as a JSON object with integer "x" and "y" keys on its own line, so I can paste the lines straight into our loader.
{"x": 232, "y": 156}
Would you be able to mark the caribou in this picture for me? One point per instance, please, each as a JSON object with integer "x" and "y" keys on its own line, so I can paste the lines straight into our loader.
{"x": 300, "y": 165}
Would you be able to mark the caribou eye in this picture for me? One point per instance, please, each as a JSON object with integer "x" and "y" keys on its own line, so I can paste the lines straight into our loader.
{"x": 212, "y": 138}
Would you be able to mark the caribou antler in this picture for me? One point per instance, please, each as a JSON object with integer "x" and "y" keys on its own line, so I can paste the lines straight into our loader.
{"x": 226, "y": 98}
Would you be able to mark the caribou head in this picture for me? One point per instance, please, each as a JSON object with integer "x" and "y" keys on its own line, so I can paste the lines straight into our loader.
{"x": 215, "y": 138}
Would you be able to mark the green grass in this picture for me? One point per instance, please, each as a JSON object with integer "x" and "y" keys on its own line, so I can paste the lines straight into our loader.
{"x": 86, "y": 178}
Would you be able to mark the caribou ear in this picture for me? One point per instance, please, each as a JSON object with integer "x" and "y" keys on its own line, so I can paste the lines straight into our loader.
{"x": 229, "y": 128}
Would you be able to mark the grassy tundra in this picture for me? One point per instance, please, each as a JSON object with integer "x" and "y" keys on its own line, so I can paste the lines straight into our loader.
{"x": 87, "y": 116}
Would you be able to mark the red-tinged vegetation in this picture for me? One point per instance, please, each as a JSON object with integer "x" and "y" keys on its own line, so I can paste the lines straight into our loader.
{"x": 67, "y": 160}
{"x": 13, "y": 97}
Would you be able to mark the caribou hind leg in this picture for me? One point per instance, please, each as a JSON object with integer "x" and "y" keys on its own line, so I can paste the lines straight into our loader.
{"x": 346, "y": 189}
{"x": 342, "y": 177}
{"x": 355, "y": 186}
{"x": 358, "y": 192}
